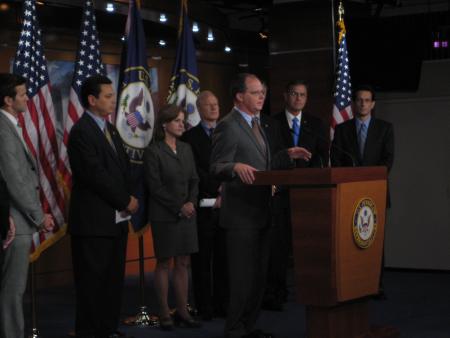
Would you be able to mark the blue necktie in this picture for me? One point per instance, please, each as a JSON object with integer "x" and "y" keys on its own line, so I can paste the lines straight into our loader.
{"x": 362, "y": 135}
{"x": 295, "y": 130}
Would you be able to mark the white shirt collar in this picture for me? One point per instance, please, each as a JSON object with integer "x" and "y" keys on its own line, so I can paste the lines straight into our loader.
{"x": 290, "y": 117}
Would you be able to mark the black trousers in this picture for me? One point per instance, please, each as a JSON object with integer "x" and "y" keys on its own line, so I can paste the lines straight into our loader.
{"x": 209, "y": 269}
{"x": 98, "y": 267}
{"x": 247, "y": 253}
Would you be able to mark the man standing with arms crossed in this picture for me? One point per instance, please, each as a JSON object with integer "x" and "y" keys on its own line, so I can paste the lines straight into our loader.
{"x": 19, "y": 169}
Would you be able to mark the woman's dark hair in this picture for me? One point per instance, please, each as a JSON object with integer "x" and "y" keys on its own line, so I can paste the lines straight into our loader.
{"x": 166, "y": 114}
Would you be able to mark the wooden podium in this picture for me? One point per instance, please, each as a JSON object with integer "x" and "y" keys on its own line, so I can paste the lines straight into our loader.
{"x": 334, "y": 272}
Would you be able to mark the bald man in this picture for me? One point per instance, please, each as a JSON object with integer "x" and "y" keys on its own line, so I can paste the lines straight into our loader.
{"x": 208, "y": 265}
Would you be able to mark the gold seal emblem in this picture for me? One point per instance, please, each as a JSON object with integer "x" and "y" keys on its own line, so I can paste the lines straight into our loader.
{"x": 364, "y": 223}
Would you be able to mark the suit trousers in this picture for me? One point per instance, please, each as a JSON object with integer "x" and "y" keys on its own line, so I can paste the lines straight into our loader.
{"x": 13, "y": 285}
{"x": 209, "y": 272}
{"x": 98, "y": 267}
{"x": 247, "y": 253}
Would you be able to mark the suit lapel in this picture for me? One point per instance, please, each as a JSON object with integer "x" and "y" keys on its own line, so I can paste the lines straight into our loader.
{"x": 372, "y": 132}
{"x": 14, "y": 132}
{"x": 287, "y": 132}
{"x": 102, "y": 138}
{"x": 244, "y": 125}
{"x": 353, "y": 141}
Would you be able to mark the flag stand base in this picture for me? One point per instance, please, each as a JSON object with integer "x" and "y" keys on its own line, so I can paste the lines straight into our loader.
{"x": 142, "y": 319}
{"x": 34, "y": 333}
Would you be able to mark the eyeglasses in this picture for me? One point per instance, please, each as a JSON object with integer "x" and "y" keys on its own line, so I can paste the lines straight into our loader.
{"x": 296, "y": 94}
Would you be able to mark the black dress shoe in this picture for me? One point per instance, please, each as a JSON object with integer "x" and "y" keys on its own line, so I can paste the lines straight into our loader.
{"x": 166, "y": 323}
{"x": 259, "y": 334}
{"x": 185, "y": 322}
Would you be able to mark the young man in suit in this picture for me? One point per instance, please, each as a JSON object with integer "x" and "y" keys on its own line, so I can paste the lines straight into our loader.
{"x": 19, "y": 170}
{"x": 208, "y": 265}
{"x": 100, "y": 201}
{"x": 364, "y": 141}
{"x": 297, "y": 128}
{"x": 245, "y": 142}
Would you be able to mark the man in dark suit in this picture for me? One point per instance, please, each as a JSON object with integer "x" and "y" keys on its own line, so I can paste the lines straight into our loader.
{"x": 100, "y": 202}
{"x": 208, "y": 272}
{"x": 18, "y": 168}
{"x": 243, "y": 143}
{"x": 364, "y": 141}
{"x": 297, "y": 128}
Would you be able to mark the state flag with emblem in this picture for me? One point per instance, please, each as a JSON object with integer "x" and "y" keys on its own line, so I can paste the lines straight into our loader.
{"x": 184, "y": 84}
{"x": 135, "y": 115}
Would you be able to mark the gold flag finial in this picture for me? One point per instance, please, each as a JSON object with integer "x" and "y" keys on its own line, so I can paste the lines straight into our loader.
{"x": 341, "y": 11}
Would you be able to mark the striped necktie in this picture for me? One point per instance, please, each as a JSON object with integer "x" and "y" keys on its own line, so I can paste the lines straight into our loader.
{"x": 362, "y": 135}
{"x": 258, "y": 134}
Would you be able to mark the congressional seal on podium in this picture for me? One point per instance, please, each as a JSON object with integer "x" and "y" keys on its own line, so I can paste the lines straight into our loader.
{"x": 364, "y": 223}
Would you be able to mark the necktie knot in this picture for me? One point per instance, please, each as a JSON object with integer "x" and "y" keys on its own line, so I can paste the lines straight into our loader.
{"x": 210, "y": 131}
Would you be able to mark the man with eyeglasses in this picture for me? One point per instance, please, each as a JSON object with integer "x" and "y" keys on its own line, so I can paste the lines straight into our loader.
{"x": 244, "y": 142}
{"x": 298, "y": 129}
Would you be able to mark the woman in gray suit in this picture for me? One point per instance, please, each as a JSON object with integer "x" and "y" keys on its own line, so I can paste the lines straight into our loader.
{"x": 172, "y": 182}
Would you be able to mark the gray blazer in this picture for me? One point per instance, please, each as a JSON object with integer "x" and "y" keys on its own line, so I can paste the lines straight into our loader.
{"x": 171, "y": 180}
{"x": 234, "y": 141}
{"x": 19, "y": 169}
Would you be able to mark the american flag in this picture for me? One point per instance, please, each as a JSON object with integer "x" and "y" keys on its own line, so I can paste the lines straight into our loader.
{"x": 88, "y": 63}
{"x": 39, "y": 124}
{"x": 342, "y": 109}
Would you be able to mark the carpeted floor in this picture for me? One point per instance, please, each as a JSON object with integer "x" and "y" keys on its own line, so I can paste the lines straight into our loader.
{"x": 418, "y": 305}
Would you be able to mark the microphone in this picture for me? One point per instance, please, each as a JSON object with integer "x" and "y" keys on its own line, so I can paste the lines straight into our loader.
{"x": 350, "y": 156}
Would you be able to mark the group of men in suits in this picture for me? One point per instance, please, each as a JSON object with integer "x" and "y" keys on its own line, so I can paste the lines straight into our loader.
{"x": 245, "y": 141}
{"x": 237, "y": 230}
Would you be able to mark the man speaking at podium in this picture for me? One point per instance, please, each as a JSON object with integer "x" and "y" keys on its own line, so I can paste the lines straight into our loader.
{"x": 244, "y": 142}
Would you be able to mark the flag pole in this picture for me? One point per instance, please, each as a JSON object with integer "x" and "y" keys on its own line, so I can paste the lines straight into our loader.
{"x": 142, "y": 319}
{"x": 34, "y": 330}
{"x": 333, "y": 24}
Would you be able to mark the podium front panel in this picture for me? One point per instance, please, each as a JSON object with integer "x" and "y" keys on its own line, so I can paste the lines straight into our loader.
{"x": 358, "y": 268}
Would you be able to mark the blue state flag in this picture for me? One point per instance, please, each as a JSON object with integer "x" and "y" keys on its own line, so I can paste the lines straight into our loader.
{"x": 184, "y": 84}
{"x": 135, "y": 113}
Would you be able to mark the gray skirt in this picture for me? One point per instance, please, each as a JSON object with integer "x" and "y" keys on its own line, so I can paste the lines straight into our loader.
{"x": 171, "y": 239}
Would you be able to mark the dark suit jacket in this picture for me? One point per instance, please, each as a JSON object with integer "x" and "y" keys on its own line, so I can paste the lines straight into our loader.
{"x": 171, "y": 180}
{"x": 244, "y": 206}
{"x": 378, "y": 151}
{"x": 101, "y": 180}
{"x": 313, "y": 136}
{"x": 201, "y": 147}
